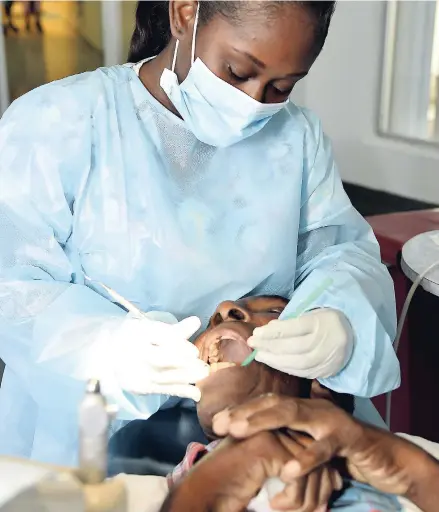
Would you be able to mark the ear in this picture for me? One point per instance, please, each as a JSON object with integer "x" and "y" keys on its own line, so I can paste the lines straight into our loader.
{"x": 319, "y": 391}
{"x": 182, "y": 18}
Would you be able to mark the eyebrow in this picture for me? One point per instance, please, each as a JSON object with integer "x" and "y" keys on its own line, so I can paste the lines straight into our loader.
{"x": 256, "y": 61}
{"x": 262, "y": 65}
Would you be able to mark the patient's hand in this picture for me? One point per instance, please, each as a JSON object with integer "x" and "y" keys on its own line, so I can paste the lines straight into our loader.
{"x": 228, "y": 478}
{"x": 373, "y": 456}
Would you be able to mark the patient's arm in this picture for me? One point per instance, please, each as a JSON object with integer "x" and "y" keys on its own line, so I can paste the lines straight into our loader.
{"x": 374, "y": 456}
{"x": 232, "y": 474}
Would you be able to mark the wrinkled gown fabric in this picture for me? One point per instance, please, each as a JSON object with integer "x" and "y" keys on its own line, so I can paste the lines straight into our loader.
{"x": 97, "y": 177}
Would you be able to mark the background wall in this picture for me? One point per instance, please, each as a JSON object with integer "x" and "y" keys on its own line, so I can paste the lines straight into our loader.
{"x": 89, "y": 23}
{"x": 344, "y": 90}
{"x": 90, "y": 27}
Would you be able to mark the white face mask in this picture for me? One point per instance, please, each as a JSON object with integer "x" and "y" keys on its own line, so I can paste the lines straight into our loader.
{"x": 216, "y": 112}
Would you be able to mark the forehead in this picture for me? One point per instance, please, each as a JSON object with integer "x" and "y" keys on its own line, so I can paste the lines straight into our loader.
{"x": 262, "y": 303}
{"x": 281, "y": 36}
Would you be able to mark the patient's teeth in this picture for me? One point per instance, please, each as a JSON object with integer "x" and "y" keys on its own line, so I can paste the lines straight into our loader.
{"x": 214, "y": 352}
{"x": 213, "y": 358}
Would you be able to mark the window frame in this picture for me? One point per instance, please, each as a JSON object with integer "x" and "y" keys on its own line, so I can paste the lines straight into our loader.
{"x": 406, "y": 71}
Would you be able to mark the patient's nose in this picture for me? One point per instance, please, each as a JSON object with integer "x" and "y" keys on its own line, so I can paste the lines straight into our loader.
{"x": 230, "y": 311}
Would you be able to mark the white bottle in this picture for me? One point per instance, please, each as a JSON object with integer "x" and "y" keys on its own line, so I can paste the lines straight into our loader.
{"x": 94, "y": 422}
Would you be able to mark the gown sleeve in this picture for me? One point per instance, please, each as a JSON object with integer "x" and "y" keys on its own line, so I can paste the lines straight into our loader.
{"x": 336, "y": 242}
{"x": 52, "y": 330}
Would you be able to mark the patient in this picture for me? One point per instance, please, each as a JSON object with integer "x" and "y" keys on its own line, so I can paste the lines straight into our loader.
{"x": 223, "y": 345}
{"x": 155, "y": 446}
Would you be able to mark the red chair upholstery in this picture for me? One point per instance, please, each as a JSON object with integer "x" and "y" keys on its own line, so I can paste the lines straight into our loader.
{"x": 408, "y": 410}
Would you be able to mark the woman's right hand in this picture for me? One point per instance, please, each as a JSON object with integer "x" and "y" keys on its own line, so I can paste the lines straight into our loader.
{"x": 376, "y": 457}
{"x": 152, "y": 357}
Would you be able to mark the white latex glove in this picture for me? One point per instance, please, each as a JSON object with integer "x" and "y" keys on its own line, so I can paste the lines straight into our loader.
{"x": 152, "y": 357}
{"x": 318, "y": 344}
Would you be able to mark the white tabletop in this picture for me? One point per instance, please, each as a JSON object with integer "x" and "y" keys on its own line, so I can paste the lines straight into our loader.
{"x": 418, "y": 254}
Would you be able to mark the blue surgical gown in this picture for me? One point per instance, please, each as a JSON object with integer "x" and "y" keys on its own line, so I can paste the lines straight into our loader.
{"x": 97, "y": 177}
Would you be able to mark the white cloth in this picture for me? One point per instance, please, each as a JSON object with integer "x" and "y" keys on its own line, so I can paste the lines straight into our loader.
{"x": 28, "y": 486}
{"x": 16, "y": 476}
{"x": 261, "y": 503}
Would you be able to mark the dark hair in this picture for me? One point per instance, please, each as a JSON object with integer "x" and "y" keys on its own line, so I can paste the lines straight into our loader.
{"x": 153, "y": 32}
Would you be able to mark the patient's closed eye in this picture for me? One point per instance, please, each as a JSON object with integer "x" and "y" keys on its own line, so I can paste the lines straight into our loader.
{"x": 276, "y": 311}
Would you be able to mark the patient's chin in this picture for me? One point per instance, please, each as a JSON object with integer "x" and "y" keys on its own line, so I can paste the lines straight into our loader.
{"x": 227, "y": 385}
{"x": 205, "y": 418}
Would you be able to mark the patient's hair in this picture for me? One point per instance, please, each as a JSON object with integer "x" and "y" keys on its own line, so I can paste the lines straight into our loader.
{"x": 344, "y": 401}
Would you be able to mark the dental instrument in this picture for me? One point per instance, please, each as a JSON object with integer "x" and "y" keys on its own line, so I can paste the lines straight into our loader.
{"x": 129, "y": 306}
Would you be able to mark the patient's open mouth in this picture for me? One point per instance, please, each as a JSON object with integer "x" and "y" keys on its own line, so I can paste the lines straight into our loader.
{"x": 229, "y": 349}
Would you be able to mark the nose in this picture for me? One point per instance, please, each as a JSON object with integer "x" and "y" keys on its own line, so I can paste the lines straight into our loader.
{"x": 230, "y": 311}
{"x": 255, "y": 90}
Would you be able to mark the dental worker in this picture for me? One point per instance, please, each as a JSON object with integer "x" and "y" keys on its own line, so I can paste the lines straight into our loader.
{"x": 179, "y": 181}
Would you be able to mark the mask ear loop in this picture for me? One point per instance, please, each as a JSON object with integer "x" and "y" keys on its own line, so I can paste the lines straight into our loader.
{"x": 174, "y": 58}
{"x": 195, "y": 33}
{"x": 177, "y": 43}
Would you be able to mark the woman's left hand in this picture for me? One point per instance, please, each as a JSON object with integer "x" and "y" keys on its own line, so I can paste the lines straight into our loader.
{"x": 318, "y": 344}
